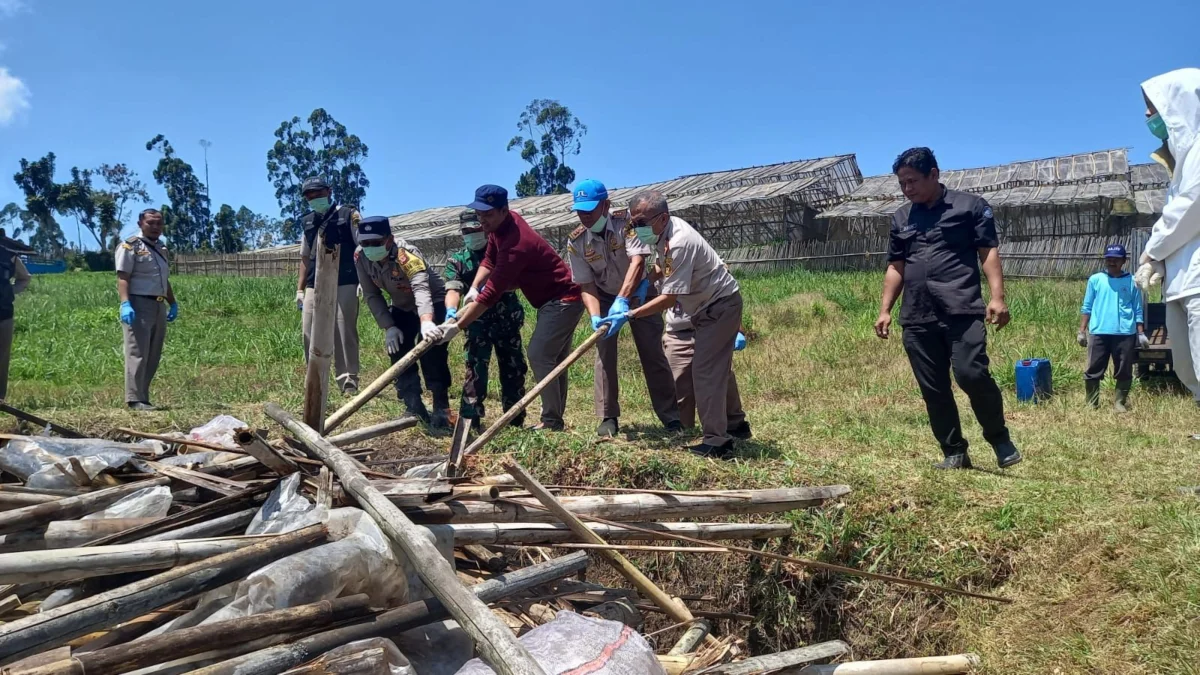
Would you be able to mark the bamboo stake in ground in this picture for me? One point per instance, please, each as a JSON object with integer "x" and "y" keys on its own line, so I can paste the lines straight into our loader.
{"x": 320, "y": 337}
{"x": 407, "y": 361}
{"x": 510, "y": 414}
{"x": 495, "y": 643}
{"x": 675, "y": 610}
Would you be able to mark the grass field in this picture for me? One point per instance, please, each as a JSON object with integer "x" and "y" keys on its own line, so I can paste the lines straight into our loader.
{"x": 1089, "y": 536}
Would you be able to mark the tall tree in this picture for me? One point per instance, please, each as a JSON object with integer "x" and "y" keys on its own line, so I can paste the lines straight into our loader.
{"x": 77, "y": 198}
{"x": 36, "y": 180}
{"x": 550, "y": 134}
{"x": 319, "y": 147}
{"x": 230, "y": 235}
{"x": 124, "y": 189}
{"x": 190, "y": 226}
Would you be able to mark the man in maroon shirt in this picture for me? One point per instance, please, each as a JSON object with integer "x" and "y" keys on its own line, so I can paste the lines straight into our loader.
{"x": 518, "y": 257}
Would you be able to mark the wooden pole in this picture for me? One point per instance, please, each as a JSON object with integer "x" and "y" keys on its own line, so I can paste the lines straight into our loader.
{"x": 57, "y": 626}
{"x": 233, "y": 522}
{"x": 65, "y": 432}
{"x": 31, "y": 517}
{"x": 175, "y": 441}
{"x": 279, "y": 659}
{"x": 254, "y": 446}
{"x": 674, "y": 609}
{"x": 374, "y": 431}
{"x": 16, "y": 500}
{"x": 511, "y": 414}
{"x": 923, "y": 665}
{"x": 73, "y": 564}
{"x": 198, "y": 639}
{"x": 68, "y": 533}
{"x": 555, "y": 533}
{"x": 495, "y": 643}
{"x": 770, "y": 663}
{"x": 378, "y": 385}
{"x": 320, "y": 341}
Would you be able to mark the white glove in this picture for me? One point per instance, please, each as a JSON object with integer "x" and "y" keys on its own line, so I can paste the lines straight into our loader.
{"x": 1150, "y": 273}
{"x": 448, "y": 330}
{"x": 393, "y": 338}
{"x": 430, "y": 331}
{"x": 299, "y": 301}
{"x": 471, "y": 295}
{"x": 1143, "y": 341}
{"x": 1081, "y": 338}
{"x": 359, "y": 291}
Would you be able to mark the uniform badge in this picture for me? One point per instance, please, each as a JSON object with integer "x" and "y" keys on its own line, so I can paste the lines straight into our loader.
{"x": 577, "y": 233}
{"x": 395, "y": 272}
{"x": 590, "y": 254}
{"x": 412, "y": 264}
{"x": 614, "y": 242}
{"x": 667, "y": 266}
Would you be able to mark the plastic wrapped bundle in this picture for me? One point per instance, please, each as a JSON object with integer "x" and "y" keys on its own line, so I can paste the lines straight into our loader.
{"x": 33, "y": 458}
{"x": 151, "y": 502}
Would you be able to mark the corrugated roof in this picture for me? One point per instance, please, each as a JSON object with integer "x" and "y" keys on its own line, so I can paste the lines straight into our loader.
{"x": 1006, "y": 198}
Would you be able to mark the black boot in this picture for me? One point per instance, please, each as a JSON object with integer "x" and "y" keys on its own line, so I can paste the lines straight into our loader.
{"x": 1091, "y": 390}
{"x": 1006, "y": 454}
{"x": 956, "y": 461}
{"x": 741, "y": 431}
{"x": 440, "y": 419}
{"x": 1121, "y": 404}
{"x": 607, "y": 428}
{"x": 713, "y": 451}
{"x": 414, "y": 406}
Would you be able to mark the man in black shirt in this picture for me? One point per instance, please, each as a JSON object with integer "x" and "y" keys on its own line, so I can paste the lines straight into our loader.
{"x": 938, "y": 242}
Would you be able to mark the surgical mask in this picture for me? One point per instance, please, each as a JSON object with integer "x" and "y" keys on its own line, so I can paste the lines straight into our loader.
{"x": 320, "y": 204}
{"x": 375, "y": 253}
{"x": 599, "y": 225}
{"x": 646, "y": 235}
{"x": 475, "y": 240}
{"x": 1157, "y": 126}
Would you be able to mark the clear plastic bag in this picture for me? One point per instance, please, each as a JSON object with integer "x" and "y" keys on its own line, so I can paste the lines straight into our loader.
{"x": 435, "y": 470}
{"x": 218, "y": 431}
{"x": 286, "y": 510}
{"x": 33, "y": 458}
{"x": 392, "y": 662}
{"x": 151, "y": 502}
{"x": 572, "y": 642}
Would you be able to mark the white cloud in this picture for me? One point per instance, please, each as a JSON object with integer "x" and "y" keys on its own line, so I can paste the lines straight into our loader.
{"x": 14, "y": 96}
{"x": 12, "y": 7}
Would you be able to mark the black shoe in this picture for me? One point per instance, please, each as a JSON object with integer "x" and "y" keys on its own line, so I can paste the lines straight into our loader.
{"x": 414, "y": 406}
{"x": 713, "y": 451}
{"x": 741, "y": 431}
{"x": 1007, "y": 454}
{"x": 675, "y": 427}
{"x": 548, "y": 426}
{"x": 141, "y": 406}
{"x": 440, "y": 419}
{"x": 607, "y": 428}
{"x": 959, "y": 461}
{"x": 518, "y": 421}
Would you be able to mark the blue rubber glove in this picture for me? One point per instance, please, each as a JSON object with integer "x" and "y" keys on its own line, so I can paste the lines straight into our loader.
{"x": 127, "y": 313}
{"x": 739, "y": 342}
{"x": 618, "y": 316}
{"x": 451, "y": 313}
{"x": 596, "y": 319}
{"x": 173, "y": 312}
{"x": 641, "y": 291}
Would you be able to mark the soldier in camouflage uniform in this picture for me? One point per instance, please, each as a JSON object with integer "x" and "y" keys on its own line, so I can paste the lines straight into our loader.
{"x": 498, "y": 328}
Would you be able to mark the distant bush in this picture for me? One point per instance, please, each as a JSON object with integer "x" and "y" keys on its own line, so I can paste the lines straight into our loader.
{"x": 91, "y": 261}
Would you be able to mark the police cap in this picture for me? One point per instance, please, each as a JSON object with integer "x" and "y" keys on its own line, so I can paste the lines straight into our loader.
{"x": 374, "y": 228}
{"x": 313, "y": 184}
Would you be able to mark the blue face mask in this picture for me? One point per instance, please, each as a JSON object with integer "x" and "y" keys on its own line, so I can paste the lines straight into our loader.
{"x": 646, "y": 235}
{"x": 320, "y": 204}
{"x": 476, "y": 241}
{"x": 375, "y": 253}
{"x": 1157, "y": 126}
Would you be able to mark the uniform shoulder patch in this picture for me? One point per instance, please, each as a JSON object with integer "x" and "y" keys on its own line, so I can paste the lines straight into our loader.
{"x": 668, "y": 265}
{"x": 127, "y": 246}
{"x": 355, "y": 218}
{"x": 411, "y": 262}
{"x": 577, "y": 233}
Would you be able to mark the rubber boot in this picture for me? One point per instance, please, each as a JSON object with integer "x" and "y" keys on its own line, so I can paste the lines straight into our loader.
{"x": 1091, "y": 390}
{"x": 440, "y": 419}
{"x": 1121, "y": 404}
{"x": 414, "y": 406}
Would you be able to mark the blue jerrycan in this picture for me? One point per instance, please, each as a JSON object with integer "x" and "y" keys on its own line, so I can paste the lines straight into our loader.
{"x": 1034, "y": 381}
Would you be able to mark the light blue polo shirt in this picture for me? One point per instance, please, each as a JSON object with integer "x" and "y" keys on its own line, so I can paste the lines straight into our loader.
{"x": 1114, "y": 303}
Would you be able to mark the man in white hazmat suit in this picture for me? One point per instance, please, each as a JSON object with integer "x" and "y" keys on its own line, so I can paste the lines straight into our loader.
{"x": 1172, "y": 253}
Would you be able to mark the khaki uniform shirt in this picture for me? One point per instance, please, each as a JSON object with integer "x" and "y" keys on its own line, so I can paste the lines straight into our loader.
{"x": 691, "y": 268}
{"x": 146, "y": 264}
{"x": 406, "y": 278}
{"x": 603, "y": 259}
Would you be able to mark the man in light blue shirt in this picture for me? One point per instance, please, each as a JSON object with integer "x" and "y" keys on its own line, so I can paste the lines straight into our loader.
{"x": 1112, "y": 314}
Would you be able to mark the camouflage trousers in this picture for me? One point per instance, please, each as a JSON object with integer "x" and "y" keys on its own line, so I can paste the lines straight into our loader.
{"x": 503, "y": 334}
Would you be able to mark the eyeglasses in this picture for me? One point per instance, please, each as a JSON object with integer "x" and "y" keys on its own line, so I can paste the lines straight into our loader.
{"x": 646, "y": 220}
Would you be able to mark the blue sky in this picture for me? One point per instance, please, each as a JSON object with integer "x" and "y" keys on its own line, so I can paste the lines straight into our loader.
{"x": 666, "y": 88}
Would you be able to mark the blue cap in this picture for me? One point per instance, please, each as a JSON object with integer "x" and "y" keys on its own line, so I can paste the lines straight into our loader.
{"x": 1115, "y": 251}
{"x": 374, "y": 227}
{"x": 489, "y": 197}
{"x": 588, "y": 195}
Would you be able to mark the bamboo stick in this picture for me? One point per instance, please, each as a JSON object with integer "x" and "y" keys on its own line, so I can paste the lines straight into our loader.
{"x": 691, "y": 639}
{"x": 278, "y": 659}
{"x": 676, "y": 610}
{"x": 324, "y": 316}
{"x": 233, "y": 522}
{"x": 924, "y": 665}
{"x": 780, "y": 661}
{"x": 374, "y": 431}
{"x": 68, "y": 533}
{"x": 637, "y": 547}
{"x": 65, "y": 432}
{"x": 21, "y": 489}
{"x": 199, "y": 639}
{"x": 57, "y": 626}
{"x": 173, "y": 440}
{"x": 255, "y": 447}
{"x": 30, "y": 517}
{"x": 488, "y": 560}
{"x": 551, "y": 533}
{"x": 16, "y": 500}
{"x": 518, "y": 407}
{"x": 73, "y": 564}
{"x": 732, "y": 494}
{"x": 495, "y": 643}
{"x": 378, "y": 385}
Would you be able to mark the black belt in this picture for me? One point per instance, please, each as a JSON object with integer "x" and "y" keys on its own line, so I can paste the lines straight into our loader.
{"x": 156, "y": 298}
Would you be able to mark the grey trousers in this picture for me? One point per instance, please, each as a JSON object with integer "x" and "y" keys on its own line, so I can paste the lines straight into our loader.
{"x": 1183, "y": 329}
{"x": 680, "y": 348}
{"x": 345, "y": 334}
{"x": 647, "y": 338}
{"x": 717, "y": 327}
{"x": 549, "y": 346}
{"x": 6, "y": 335}
{"x": 143, "y": 346}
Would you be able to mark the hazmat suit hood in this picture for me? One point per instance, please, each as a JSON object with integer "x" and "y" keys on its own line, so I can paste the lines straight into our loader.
{"x": 1175, "y": 239}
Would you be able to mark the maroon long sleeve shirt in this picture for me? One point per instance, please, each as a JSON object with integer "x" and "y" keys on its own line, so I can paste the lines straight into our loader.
{"x": 519, "y": 258}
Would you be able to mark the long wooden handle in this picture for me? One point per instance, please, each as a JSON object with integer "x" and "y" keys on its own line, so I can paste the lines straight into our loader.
{"x": 510, "y": 414}
{"x": 342, "y": 414}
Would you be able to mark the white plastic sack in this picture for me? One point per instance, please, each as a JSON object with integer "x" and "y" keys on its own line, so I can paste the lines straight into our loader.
{"x": 435, "y": 470}
{"x": 286, "y": 510}
{"x": 151, "y": 502}
{"x": 33, "y": 459}
{"x": 577, "y": 643}
{"x": 218, "y": 431}
{"x": 394, "y": 662}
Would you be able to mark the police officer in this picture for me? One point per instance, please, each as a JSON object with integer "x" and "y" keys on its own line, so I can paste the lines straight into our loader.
{"x": 679, "y": 345}
{"x": 147, "y": 305}
{"x": 385, "y": 263}
{"x": 498, "y": 328}
{"x": 938, "y": 241}
{"x": 693, "y": 276}
{"x": 325, "y": 214}
{"x": 608, "y": 262}
{"x": 14, "y": 278}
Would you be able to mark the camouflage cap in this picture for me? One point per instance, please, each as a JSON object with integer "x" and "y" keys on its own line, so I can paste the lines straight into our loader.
{"x": 468, "y": 219}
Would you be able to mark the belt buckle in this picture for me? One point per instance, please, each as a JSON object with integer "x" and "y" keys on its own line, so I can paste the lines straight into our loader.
{"x": 159, "y": 298}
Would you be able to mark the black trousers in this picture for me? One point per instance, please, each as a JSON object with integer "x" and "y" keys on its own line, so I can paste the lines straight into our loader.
{"x": 434, "y": 363}
{"x": 958, "y": 345}
{"x": 1122, "y": 349}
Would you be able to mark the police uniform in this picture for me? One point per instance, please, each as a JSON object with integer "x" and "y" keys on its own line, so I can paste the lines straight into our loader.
{"x": 943, "y": 311}
{"x": 498, "y": 328}
{"x": 145, "y": 262}
{"x": 345, "y": 330}
{"x": 603, "y": 259}
{"x": 414, "y": 292}
{"x": 709, "y": 294}
{"x": 14, "y": 278}
{"x": 679, "y": 345}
